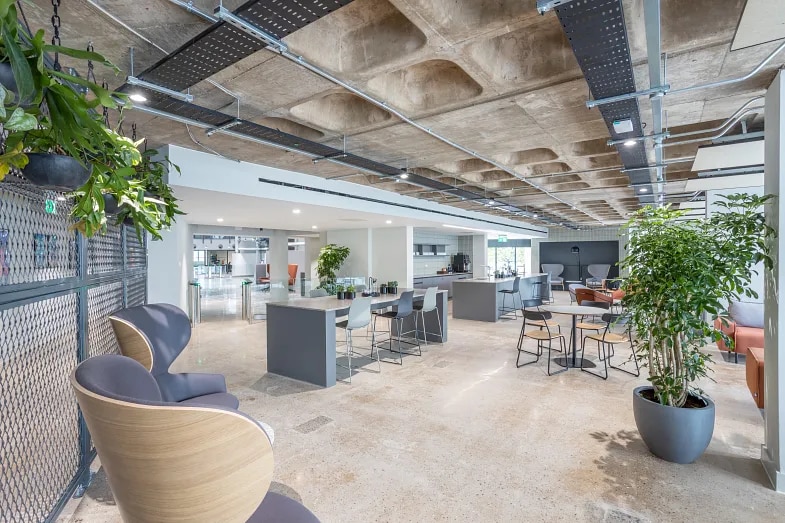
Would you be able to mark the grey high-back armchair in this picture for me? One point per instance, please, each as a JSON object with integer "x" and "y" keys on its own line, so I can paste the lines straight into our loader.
{"x": 599, "y": 272}
{"x": 168, "y": 462}
{"x": 154, "y": 335}
{"x": 555, "y": 270}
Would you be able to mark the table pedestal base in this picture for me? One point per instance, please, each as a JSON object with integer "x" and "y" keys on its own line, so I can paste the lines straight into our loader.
{"x": 566, "y": 361}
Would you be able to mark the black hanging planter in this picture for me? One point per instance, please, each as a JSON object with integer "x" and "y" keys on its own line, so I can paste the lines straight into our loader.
{"x": 111, "y": 206}
{"x": 55, "y": 172}
{"x": 7, "y": 79}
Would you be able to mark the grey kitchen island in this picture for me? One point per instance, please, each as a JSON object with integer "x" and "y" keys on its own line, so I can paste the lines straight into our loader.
{"x": 301, "y": 333}
{"x": 479, "y": 299}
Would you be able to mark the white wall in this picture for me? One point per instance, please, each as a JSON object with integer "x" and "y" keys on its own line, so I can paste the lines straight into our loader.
{"x": 480, "y": 255}
{"x": 243, "y": 263}
{"x": 170, "y": 266}
{"x": 712, "y": 197}
{"x": 360, "y": 243}
{"x": 393, "y": 255}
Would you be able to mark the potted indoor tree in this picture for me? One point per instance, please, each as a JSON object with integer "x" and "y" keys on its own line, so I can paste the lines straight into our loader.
{"x": 330, "y": 259}
{"x": 679, "y": 273}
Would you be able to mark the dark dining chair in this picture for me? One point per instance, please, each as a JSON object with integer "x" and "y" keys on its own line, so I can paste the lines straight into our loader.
{"x": 540, "y": 336}
{"x": 168, "y": 462}
{"x": 404, "y": 310}
{"x": 154, "y": 335}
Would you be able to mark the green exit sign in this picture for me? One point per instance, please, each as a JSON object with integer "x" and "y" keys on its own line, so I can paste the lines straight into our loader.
{"x": 502, "y": 238}
{"x": 49, "y": 206}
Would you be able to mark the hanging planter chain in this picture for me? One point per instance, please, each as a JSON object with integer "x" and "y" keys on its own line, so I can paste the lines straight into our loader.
{"x": 56, "y": 35}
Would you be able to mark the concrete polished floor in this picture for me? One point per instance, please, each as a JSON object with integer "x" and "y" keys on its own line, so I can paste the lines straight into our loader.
{"x": 461, "y": 434}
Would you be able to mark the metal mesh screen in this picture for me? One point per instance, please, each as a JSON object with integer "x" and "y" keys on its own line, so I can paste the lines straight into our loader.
{"x": 105, "y": 251}
{"x": 56, "y": 291}
{"x": 101, "y": 302}
{"x": 39, "y": 424}
{"x": 35, "y": 246}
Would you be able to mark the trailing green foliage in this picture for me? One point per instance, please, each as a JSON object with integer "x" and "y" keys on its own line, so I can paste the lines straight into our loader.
{"x": 331, "y": 257}
{"x": 680, "y": 271}
{"x": 55, "y": 112}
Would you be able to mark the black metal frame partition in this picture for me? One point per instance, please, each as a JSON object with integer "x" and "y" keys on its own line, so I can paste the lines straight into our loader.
{"x": 57, "y": 289}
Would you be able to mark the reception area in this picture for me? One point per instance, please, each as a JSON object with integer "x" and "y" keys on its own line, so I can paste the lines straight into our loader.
{"x": 302, "y": 261}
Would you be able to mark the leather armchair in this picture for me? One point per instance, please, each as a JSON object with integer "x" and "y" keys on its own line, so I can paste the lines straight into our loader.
{"x": 155, "y": 335}
{"x": 292, "y": 268}
{"x": 166, "y": 462}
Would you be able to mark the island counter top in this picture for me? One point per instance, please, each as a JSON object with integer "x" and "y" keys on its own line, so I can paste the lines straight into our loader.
{"x": 523, "y": 276}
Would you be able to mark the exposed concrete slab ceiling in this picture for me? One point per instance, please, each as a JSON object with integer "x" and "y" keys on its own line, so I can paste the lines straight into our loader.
{"x": 531, "y": 93}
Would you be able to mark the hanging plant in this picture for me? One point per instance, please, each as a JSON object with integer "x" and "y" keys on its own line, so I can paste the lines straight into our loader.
{"x": 57, "y": 138}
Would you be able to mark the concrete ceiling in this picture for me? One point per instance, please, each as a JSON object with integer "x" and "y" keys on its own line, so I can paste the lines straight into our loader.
{"x": 491, "y": 75}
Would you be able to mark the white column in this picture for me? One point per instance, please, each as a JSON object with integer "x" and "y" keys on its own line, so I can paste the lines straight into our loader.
{"x": 479, "y": 255}
{"x": 278, "y": 258}
{"x": 312, "y": 247}
{"x": 360, "y": 243}
{"x": 170, "y": 266}
{"x": 773, "y": 451}
{"x": 392, "y": 258}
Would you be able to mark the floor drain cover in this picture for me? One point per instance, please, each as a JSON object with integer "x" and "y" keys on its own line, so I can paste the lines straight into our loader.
{"x": 312, "y": 425}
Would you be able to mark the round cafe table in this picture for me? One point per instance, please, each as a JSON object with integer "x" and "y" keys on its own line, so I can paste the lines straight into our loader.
{"x": 574, "y": 311}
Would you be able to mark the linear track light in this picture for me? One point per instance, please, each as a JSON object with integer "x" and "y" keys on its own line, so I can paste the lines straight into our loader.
{"x": 185, "y": 97}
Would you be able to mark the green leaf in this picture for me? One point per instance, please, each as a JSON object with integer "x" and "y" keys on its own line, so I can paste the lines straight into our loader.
{"x": 21, "y": 121}
{"x": 82, "y": 55}
{"x": 21, "y": 69}
{"x": 104, "y": 95}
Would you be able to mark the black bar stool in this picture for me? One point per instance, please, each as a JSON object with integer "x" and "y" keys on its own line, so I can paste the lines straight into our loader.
{"x": 404, "y": 309}
{"x": 516, "y": 289}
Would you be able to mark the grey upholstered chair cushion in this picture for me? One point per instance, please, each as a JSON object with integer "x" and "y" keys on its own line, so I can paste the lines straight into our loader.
{"x": 218, "y": 399}
{"x": 118, "y": 377}
{"x": 746, "y": 314}
{"x": 184, "y": 386}
{"x": 166, "y": 328}
{"x": 276, "y": 508}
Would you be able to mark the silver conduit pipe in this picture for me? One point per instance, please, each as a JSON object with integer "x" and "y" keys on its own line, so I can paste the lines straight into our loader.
{"x": 723, "y": 124}
{"x": 727, "y": 127}
{"x": 731, "y": 81}
{"x": 282, "y": 49}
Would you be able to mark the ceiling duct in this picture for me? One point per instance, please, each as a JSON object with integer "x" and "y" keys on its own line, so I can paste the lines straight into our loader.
{"x": 598, "y": 36}
{"x": 217, "y": 122}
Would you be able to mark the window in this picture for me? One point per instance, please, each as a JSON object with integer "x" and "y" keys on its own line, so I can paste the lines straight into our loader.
{"x": 509, "y": 258}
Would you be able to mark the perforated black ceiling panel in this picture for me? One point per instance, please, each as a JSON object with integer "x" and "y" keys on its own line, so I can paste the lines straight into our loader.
{"x": 598, "y": 36}
{"x": 222, "y": 44}
{"x": 281, "y": 18}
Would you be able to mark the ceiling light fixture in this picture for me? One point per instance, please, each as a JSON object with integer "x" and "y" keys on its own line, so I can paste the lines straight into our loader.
{"x": 388, "y": 222}
{"x": 137, "y": 97}
{"x": 219, "y": 219}
{"x": 314, "y": 227}
{"x": 630, "y": 143}
{"x": 404, "y": 176}
{"x": 296, "y": 211}
{"x": 185, "y": 97}
{"x": 643, "y": 189}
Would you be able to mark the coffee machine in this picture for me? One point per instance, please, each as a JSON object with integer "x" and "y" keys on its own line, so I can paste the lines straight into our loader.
{"x": 461, "y": 263}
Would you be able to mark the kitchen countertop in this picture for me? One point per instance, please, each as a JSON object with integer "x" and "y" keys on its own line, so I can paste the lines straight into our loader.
{"x": 445, "y": 274}
{"x": 503, "y": 280}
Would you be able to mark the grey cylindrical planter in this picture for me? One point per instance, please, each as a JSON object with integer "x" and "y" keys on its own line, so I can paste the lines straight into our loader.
{"x": 674, "y": 434}
{"x": 55, "y": 171}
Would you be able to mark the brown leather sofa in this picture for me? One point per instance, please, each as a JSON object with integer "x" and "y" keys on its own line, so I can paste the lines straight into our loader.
{"x": 754, "y": 369}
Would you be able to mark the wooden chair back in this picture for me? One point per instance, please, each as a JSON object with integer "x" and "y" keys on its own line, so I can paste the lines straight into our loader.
{"x": 168, "y": 464}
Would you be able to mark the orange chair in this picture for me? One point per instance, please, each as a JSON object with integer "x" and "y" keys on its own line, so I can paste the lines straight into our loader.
{"x": 292, "y": 273}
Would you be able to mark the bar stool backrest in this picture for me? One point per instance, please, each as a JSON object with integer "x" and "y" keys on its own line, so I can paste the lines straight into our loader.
{"x": 359, "y": 313}
{"x": 405, "y": 304}
{"x": 429, "y": 300}
{"x": 516, "y": 285}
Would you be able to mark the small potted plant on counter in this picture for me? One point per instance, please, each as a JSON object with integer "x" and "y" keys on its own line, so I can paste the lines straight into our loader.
{"x": 392, "y": 287}
{"x": 383, "y": 288}
{"x": 350, "y": 292}
{"x": 339, "y": 292}
{"x": 680, "y": 272}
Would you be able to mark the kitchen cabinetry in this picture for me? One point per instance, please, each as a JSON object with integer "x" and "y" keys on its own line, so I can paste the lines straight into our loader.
{"x": 443, "y": 281}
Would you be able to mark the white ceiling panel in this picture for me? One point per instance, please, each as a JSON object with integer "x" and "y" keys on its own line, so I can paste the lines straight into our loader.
{"x": 730, "y": 155}
{"x": 724, "y": 182}
{"x": 762, "y": 21}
